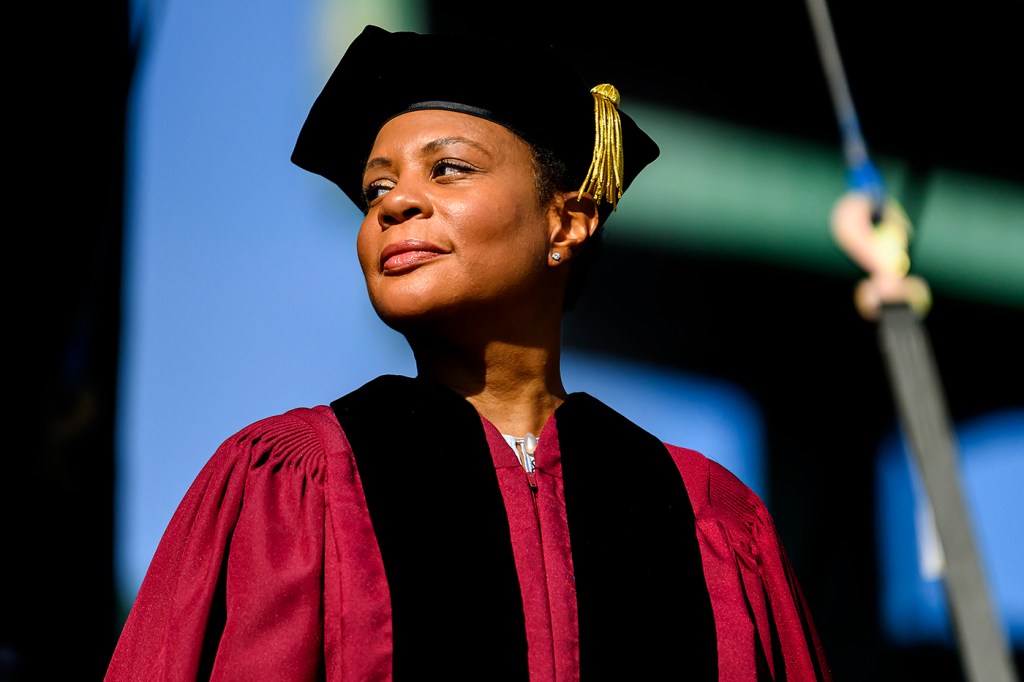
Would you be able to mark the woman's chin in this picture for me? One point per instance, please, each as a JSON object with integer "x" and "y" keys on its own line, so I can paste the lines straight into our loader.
{"x": 440, "y": 319}
{"x": 407, "y": 318}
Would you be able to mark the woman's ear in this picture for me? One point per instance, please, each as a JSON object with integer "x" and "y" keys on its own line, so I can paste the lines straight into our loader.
{"x": 574, "y": 221}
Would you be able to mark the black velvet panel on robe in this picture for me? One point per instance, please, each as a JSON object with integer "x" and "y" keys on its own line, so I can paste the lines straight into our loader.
{"x": 440, "y": 522}
{"x": 644, "y": 608}
{"x": 443, "y": 533}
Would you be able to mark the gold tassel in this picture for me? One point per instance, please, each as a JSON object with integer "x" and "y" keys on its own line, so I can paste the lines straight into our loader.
{"x": 604, "y": 179}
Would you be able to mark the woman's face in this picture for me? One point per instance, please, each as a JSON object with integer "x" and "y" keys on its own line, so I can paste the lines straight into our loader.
{"x": 454, "y": 225}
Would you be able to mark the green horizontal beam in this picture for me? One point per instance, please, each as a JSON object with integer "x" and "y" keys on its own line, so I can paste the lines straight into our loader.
{"x": 732, "y": 191}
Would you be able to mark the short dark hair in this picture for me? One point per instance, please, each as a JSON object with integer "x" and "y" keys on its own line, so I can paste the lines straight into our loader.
{"x": 552, "y": 176}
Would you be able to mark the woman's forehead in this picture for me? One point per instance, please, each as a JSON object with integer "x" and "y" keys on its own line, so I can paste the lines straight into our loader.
{"x": 430, "y": 130}
{"x": 442, "y": 123}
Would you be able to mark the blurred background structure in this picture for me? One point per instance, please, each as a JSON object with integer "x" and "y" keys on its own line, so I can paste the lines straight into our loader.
{"x": 174, "y": 277}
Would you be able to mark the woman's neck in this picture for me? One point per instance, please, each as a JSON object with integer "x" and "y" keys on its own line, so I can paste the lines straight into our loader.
{"x": 515, "y": 387}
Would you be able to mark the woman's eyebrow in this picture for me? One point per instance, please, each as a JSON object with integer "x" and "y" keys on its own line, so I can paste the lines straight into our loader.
{"x": 376, "y": 162}
{"x": 442, "y": 142}
{"x": 427, "y": 149}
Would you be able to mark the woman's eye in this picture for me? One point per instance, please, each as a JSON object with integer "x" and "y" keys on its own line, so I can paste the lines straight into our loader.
{"x": 448, "y": 167}
{"x": 375, "y": 190}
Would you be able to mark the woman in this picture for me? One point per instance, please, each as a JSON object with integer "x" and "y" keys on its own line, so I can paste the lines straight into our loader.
{"x": 477, "y": 521}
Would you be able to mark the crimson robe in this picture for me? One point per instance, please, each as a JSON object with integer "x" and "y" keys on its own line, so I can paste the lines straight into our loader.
{"x": 271, "y": 567}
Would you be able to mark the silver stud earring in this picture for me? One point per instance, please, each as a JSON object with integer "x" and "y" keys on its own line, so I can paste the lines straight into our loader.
{"x": 556, "y": 256}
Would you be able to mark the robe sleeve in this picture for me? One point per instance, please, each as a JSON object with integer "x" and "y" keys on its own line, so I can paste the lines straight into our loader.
{"x": 764, "y": 627}
{"x": 234, "y": 588}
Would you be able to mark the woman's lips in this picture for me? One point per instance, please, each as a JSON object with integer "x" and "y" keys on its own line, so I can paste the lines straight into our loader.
{"x": 405, "y": 254}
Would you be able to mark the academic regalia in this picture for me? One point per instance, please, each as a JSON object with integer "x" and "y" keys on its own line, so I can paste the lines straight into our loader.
{"x": 410, "y": 543}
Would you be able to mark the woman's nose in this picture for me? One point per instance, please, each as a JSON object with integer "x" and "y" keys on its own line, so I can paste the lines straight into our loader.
{"x": 405, "y": 201}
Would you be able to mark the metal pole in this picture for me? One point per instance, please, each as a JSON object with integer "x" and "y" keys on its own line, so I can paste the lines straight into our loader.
{"x": 921, "y": 404}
